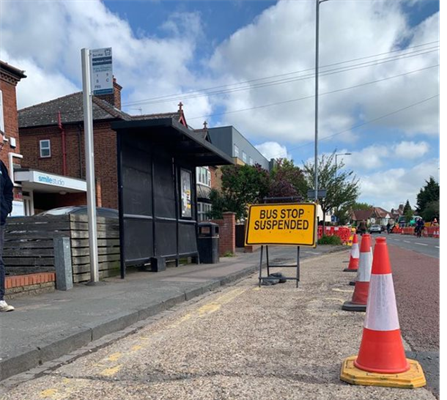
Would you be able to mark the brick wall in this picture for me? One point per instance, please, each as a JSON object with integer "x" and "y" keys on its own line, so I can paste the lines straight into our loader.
{"x": 8, "y": 88}
{"x": 227, "y": 233}
{"x": 105, "y": 156}
{"x": 29, "y": 284}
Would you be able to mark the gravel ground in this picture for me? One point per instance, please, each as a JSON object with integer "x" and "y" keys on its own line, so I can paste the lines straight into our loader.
{"x": 243, "y": 342}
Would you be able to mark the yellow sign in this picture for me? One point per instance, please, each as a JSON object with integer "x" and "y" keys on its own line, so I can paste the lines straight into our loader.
{"x": 282, "y": 224}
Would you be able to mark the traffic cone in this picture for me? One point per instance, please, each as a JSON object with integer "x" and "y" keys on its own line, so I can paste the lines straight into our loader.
{"x": 360, "y": 295}
{"x": 354, "y": 257}
{"x": 352, "y": 283}
{"x": 381, "y": 360}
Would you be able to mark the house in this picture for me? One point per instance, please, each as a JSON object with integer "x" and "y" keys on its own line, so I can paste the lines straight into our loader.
{"x": 373, "y": 215}
{"x": 9, "y": 78}
{"x": 52, "y": 140}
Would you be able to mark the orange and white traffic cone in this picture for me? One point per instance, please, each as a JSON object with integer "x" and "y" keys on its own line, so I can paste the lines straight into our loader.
{"x": 354, "y": 257}
{"x": 352, "y": 283}
{"x": 360, "y": 295}
{"x": 381, "y": 360}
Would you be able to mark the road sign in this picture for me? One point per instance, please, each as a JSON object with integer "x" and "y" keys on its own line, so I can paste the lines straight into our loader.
{"x": 282, "y": 224}
{"x": 102, "y": 72}
{"x": 321, "y": 193}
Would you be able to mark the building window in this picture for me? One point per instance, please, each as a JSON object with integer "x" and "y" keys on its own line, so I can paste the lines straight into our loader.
{"x": 236, "y": 151}
{"x": 251, "y": 161}
{"x": 204, "y": 176}
{"x": 244, "y": 157}
{"x": 203, "y": 209}
{"x": 45, "y": 148}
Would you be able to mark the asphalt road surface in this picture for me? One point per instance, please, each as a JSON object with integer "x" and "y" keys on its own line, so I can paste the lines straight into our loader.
{"x": 424, "y": 245}
{"x": 416, "y": 282}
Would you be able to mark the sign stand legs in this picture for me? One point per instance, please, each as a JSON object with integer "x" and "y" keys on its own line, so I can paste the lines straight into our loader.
{"x": 297, "y": 266}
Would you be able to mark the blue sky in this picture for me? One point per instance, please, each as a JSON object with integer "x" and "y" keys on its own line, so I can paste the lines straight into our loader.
{"x": 250, "y": 64}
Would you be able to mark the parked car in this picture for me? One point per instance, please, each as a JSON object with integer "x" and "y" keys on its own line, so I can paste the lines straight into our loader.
{"x": 375, "y": 229}
{"x": 81, "y": 210}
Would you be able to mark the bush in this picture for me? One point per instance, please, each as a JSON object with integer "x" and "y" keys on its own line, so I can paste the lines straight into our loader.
{"x": 333, "y": 240}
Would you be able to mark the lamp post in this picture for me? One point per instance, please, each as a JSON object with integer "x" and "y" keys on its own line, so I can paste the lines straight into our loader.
{"x": 340, "y": 154}
{"x": 317, "y": 31}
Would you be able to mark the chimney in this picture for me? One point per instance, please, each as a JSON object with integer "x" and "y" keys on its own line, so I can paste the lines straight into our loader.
{"x": 114, "y": 98}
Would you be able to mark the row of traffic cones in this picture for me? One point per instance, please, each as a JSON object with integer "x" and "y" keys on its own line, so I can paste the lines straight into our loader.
{"x": 381, "y": 360}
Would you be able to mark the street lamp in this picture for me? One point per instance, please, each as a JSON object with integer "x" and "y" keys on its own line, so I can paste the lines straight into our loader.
{"x": 317, "y": 30}
{"x": 340, "y": 154}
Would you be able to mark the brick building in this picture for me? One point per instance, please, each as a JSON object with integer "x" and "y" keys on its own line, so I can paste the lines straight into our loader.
{"x": 9, "y": 78}
{"x": 52, "y": 140}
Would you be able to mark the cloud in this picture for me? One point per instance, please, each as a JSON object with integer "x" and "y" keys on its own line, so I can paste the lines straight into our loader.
{"x": 281, "y": 40}
{"x": 273, "y": 150}
{"x": 411, "y": 150}
{"x": 395, "y": 186}
{"x": 48, "y": 48}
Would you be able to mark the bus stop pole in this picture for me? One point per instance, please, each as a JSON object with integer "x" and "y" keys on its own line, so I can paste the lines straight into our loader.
{"x": 90, "y": 165}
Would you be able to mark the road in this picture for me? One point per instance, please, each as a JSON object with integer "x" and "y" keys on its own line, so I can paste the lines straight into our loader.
{"x": 415, "y": 267}
{"x": 424, "y": 245}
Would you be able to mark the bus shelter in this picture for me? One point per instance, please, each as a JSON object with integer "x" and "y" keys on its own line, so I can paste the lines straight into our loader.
{"x": 157, "y": 189}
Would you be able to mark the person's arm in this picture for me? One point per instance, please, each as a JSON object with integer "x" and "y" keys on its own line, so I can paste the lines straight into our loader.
{"x": 8, "y": 194}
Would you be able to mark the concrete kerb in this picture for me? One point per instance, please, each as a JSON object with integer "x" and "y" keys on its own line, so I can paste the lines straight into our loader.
{"x": 88, "y": 334}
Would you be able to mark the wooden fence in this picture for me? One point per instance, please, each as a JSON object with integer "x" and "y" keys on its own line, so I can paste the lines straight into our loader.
{"x": 29, "y": 245}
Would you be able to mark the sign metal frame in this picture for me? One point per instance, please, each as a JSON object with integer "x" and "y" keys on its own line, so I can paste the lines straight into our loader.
{"x": 281, "y": 224}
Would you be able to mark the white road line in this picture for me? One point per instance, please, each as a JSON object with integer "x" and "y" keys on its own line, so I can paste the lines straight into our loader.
{"x": 407, "y": 241}
{"x": 421, "y": 244}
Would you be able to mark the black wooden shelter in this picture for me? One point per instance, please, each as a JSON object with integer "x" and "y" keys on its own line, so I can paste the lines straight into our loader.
{"x": 157, "y": 189}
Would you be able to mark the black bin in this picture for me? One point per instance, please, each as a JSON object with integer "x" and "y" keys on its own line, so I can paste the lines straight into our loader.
{"x": 208, "y": 242}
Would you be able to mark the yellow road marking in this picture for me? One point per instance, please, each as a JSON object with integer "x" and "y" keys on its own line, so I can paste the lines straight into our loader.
{"x": 208, "y": 308}
{"x": 48, "y": 393}
{"x": 111, "y": 371}
{"x": 136, "y": 348}
{"x": 114, "y": 357}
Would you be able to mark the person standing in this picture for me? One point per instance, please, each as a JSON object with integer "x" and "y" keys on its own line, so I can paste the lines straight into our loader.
{"x": 6, "y": 196}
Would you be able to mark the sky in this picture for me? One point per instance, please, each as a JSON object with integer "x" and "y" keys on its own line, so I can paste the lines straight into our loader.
{"x": 251, "y": 64}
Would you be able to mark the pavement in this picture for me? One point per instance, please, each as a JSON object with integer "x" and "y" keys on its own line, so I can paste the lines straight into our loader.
{"x": 47, "y": 326}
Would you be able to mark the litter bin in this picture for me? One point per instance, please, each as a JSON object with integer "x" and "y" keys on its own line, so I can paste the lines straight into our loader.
{"x": 208, "y": 242}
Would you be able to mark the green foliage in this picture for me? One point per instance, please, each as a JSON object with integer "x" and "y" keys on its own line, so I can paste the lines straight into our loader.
{"x": 342, "y": 187}
{"x": 241, "y": 185}
{"x": 431, "y": 211}
{"x": 229, "y": 254}
{"x": 332, "y": 240}
{"x": 361, "y": 206}
{"x": 430, "y": 193}
{"x": 408, "y": 212}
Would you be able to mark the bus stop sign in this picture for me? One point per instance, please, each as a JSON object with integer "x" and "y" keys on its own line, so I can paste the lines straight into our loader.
{"x": 281, "y": 224}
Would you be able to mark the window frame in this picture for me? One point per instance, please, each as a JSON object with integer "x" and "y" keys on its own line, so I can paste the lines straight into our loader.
{"x": 41, "y": 148}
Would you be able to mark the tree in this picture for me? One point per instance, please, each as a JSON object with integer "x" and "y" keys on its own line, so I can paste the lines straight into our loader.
{"x": 408, "y": 212}
{"x": 286, "y": 180}
{"x": 342, "y": 187}
{"x": 429, "y": 194}
{"x": 431, "y": 211}
{"x": 361, "y": 206}
{"x": 241, "y": 185}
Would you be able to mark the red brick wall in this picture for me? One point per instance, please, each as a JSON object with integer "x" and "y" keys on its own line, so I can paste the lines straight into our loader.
{"x": 105, "y": 156}
{"x": 227, "y": 233}
{"x": 8, "y": 88}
